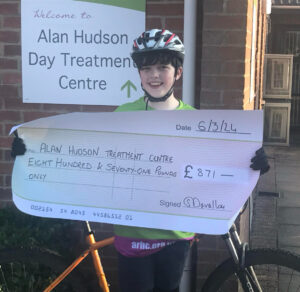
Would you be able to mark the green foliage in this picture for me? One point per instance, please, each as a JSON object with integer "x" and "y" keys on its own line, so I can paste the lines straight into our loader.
{"x": 18, "y": 229}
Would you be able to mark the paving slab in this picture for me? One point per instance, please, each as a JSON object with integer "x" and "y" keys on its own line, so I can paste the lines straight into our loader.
{"x": 289, "y": 236}
{"x": 289, "y": 199}
{"x": 288, "y": 215}
{"x": 284, "y": 179}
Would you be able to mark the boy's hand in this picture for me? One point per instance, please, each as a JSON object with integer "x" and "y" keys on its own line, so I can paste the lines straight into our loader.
{"x": 260, "y": 161}
{"x": 17, "y": 147}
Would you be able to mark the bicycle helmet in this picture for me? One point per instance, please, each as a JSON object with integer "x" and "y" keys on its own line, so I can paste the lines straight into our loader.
{"x": 158, "y": 41}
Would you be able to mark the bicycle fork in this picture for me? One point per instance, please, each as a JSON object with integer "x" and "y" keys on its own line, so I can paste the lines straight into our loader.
{"x": 237, "y": 250}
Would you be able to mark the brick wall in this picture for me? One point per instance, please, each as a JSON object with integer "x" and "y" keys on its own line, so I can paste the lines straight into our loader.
{"x": 226, "y": 53}
{"x": 225, "y": 83}
{"x": 223, "y": 54}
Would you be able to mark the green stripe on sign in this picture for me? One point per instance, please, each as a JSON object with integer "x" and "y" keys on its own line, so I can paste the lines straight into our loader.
{"x": 130, "y": 4}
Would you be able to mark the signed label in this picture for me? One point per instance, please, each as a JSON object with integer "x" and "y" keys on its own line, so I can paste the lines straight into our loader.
{"x": 108, "y": 168}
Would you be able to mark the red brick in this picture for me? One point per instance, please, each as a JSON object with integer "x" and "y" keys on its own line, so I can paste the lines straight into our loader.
{"x": 211, "y": 97}
{"x": 233, "y": 68}
{"x": 211, "y": 67}
{"x": 8, "y": 91}
{"x": 232, "y": 82}
{"x": 214, "y": 37}
{"x": 12, "y": 22}
{"x": 235, "y": 37}
{"x": 224, "y": 22}
{"x": 7, "y": 180}
{"x": 222, "y": 82}
{"x": 12, "y": 50}
{"x": 17, "y": 104}
{"x": 5, "y": 142}
{"x": 227, "y": 53}
{"x": 29, "y": 116}
{"x": 9, "y": 116}
{"x": 9, "y": 8}
{"x": 61, "y": 108}
{"x": 11, "y": 78}
{"x": 8, "y": 63}
{"x": 233, "y": 97}
{"x": 8, "y": 36}
{"x": 99, "y": 108}
{"x": 203, "y": 105}
{"x": 153, "y": 22}
{"x": 7, "y": 156}
{"x": 5, "y": 195}
{"x": 7, "y": 127}
{"x": 165, "y": 9}
{"x": 236, "y": 6}
{"x": 174, "y": 24}
{"x": 213, "y": 6}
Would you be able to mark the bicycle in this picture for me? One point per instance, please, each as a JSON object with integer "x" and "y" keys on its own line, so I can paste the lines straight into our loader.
{"x": 249, "y": 267}
{"x": 20, "y": 266}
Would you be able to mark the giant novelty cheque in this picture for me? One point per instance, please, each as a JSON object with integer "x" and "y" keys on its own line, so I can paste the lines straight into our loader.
{"x": 179, "y": 170}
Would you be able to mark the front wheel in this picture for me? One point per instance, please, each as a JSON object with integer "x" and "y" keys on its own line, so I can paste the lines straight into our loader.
{"x": 32, "y": 270}
{"x": 276, "y": 271}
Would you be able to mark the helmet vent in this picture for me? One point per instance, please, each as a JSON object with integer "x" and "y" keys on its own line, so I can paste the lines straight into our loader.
{"x": 167, "y": 37}
{"x": 157, "y": 36}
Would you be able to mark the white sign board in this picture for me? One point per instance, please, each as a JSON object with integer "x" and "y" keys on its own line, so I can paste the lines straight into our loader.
{"x": 78, "y": 52}
{"x": 178, "y": 170}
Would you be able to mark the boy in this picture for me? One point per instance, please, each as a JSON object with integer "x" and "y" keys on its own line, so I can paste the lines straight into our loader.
{"x": 159, "y": 56}
{"x": 153, "y": 259}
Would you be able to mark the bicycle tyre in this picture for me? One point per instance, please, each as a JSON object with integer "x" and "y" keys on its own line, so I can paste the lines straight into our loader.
{"x": 283, "y": 265}
{"x": 33, "y": 270}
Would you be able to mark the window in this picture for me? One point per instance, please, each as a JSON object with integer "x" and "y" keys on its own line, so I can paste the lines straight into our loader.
{"x": 278, "y": 76}
{"x": 276, "y": 123}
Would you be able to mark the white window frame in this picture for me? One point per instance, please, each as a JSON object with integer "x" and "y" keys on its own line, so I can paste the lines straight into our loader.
{"x": 285, "y": 124}
{"x": 287, "y": 60}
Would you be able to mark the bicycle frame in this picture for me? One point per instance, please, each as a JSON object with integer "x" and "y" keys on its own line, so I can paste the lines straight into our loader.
{"x": 235, "y": 247}
{"x": 93, "y": 250}
{"x": 237, "y": 251}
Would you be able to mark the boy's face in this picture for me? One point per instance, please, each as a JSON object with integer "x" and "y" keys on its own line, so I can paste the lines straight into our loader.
{"x": 157, "y": 79}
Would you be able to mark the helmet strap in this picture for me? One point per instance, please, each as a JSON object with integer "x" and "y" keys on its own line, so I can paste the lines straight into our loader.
{"x": 159, "y": 99}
